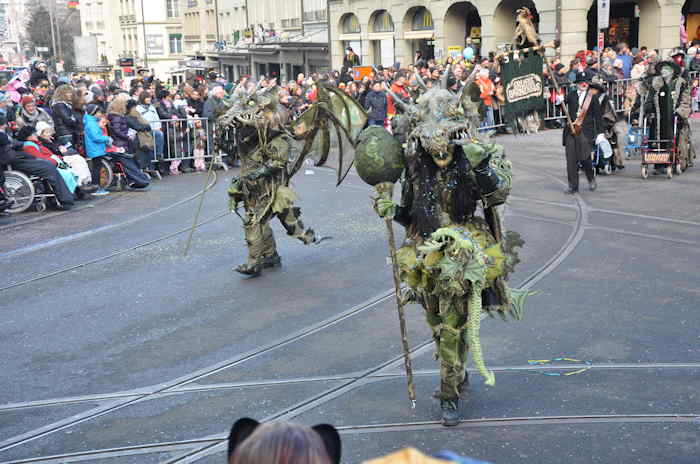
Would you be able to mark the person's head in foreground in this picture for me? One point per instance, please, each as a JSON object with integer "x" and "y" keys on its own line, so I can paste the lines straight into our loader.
{"x": 251, "y": 442}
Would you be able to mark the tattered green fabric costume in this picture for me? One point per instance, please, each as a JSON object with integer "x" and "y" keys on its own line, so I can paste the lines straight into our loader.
{"x": 263, "y": 190}
{"x": 454, "y": 261}
{"x": 263, "y": 185}
{"x": 265, "y": 138}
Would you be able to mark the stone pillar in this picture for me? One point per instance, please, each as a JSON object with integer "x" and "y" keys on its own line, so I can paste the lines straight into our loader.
{"x": 669, "y": 24}
{"x": 283, "y": 68}
{"x": 547, "y": 10}
{"x": 488, "y": 36}
{"x": 574, "y": 27}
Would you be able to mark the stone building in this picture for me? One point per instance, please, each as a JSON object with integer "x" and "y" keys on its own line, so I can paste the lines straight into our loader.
{"x": 140, "y": 33}
{"x": 389, "y": 31}
{"x": 270, "y": 37}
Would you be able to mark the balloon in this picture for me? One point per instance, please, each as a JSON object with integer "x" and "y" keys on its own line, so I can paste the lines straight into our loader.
{"x": 468, "y": 53}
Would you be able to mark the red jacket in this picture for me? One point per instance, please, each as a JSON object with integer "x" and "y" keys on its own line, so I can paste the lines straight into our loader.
{"x": 400, "y": 92}
{"x": 37, "y": 150}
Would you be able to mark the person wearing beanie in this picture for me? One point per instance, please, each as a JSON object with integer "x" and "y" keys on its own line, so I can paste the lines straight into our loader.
{"x": 38, "y": 74}
{"x": 33, "y": 166}
{"x": 30, "y": 114}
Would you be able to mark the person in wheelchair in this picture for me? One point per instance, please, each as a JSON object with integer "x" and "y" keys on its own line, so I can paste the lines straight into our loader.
{"x": 69, "y": 154}
{"x": 33, "y": 166}
{"x": 667, "y": 106}
{"x": 98, "y": 144}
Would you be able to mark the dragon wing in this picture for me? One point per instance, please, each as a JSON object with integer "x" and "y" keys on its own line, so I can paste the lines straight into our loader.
{"x": 334, "y": 108}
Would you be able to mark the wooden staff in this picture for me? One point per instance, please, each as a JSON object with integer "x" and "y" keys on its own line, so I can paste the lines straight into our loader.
{"x": 385, "y": 190}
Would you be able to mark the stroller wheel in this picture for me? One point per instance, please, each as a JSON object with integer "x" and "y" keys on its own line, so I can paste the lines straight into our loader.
{"x": 645, "y": 172}
{"x": 607, "y": 169}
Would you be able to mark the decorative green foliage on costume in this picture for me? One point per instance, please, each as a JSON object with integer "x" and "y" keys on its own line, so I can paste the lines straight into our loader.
{"x": 504, "y": 171}
{"x": 456, "y": 266}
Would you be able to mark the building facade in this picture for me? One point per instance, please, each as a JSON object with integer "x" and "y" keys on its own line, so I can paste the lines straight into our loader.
{"x": 200, "y": 26}
{"x": 136, "y": 33}
{"x": 272, "y": 38}
{"x": 386, "y": 31}
{"x": 12, "y": 14}
{"x": 95, "y": 21}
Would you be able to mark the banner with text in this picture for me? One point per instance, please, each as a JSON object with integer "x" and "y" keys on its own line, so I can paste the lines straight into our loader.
{"x": 523, "y": 85}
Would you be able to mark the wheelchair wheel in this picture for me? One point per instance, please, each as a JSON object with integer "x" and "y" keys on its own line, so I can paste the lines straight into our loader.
{"x": 669, "y": 171}
{"x": 607, "y": 169}
{"x": 105, "y": 173}
{"x": 645, "y": 171}
{"x": 19, "y": 189}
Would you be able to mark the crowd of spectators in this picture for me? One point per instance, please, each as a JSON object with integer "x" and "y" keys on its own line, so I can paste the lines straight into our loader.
{"x": 144, "y": 124}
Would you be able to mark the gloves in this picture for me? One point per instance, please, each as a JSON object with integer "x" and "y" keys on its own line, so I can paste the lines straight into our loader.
{"x": 385, "y": 207}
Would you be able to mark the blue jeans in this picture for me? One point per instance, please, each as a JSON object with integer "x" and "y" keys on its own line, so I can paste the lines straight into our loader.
{"x": 159, "y": 142}
{"x": 488, "y": 117}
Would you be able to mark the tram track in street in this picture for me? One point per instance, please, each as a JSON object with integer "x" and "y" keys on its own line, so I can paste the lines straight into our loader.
{"x": 366, "y": 376}
{"x": 349, "y": 430}
{"x": 573, "y": 240}
{"x": 101, "y": 229}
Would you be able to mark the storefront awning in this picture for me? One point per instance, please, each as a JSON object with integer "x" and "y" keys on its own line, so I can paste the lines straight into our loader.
{"x": 413, "y": 35}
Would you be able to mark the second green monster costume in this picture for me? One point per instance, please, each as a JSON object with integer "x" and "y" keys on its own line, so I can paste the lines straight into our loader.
{"x": 266, "y": 139}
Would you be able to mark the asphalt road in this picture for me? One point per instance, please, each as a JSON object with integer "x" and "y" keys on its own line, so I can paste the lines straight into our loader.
{"x": 117, "y": 348}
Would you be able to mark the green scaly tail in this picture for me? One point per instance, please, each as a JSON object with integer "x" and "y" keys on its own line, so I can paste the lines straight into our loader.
{"x": 473, "y": 328}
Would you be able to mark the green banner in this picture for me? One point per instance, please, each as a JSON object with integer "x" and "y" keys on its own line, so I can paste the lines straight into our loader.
{"x": 523, "y": 84}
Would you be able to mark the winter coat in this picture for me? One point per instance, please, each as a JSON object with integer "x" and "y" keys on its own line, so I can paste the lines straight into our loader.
{"x": 376, "y": 105}
{"x": 142, "y": 128}
{"x": 198, "y": 106}
{"x": 64, "y": 121}
{"x": 694, "y": 64}
{"x": 119, "y": 130}
{"x": 399, "y": 91}
{"x": 150, "y": 114}
{"x": 95, "y": 141}
{"x": 37, "y": 150}
{"x": 212, "y": 107}
{"x": 167, "y": 111}
{"x": 26, "y": 119}
{"x": 37, "y": 76}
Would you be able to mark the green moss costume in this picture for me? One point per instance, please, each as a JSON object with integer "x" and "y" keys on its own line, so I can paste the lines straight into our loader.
{"x": 264, "y": 138}
{"x": 454, "y": 260}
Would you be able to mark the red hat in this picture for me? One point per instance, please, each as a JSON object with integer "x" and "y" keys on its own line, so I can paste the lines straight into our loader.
{"x": 27, "y": 99}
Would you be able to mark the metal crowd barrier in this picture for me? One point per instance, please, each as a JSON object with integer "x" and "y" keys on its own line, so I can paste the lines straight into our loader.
{"x": 182, "y": 137}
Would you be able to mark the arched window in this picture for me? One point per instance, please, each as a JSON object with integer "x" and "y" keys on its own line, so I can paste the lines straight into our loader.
{"x": 383, "y": 22}
{"x": 422, "y": 20}
{"x": 351, "y": 25}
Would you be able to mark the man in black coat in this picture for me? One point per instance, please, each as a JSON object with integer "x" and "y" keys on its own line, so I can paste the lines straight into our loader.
{"x": 579, "y": 147}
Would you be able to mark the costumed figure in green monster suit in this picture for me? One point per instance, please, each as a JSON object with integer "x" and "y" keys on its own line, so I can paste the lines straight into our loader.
{"x": 267, "y": 146}
{"x": 454, "y": 261}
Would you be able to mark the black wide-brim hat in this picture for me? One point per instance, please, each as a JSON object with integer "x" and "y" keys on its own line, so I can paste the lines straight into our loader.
{"x": 676, "y": 69}
{"x": 582, "y": 77}
{"x": 598, "y": 83}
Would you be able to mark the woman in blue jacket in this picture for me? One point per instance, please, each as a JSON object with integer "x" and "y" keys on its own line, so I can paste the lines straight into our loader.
{"x": 96, "y": 143}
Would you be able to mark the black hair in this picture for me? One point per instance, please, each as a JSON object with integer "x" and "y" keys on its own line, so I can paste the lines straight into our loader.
{"x": 425, "y": 210}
